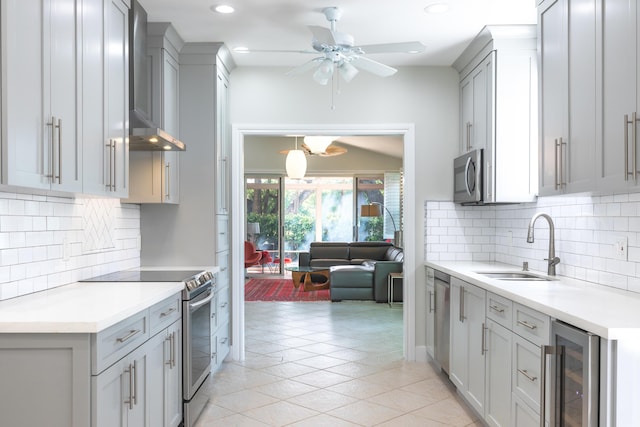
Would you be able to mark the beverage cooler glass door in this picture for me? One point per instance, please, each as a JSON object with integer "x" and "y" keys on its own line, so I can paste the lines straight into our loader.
{"x": 573, "y": 376}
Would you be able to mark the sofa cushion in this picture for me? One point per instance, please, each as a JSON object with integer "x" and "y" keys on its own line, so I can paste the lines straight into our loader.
{"x": 351, "y": 276}
{"x": 329, "y": 250}
{"x": 368, "y": 250}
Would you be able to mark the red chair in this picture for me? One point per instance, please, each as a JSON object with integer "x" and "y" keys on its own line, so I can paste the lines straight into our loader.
{"x": 251, "y": 256}
{"x": 266, "y": 259}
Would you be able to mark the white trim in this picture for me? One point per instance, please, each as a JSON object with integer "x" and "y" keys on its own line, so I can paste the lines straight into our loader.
{"x": 238, "y": 212}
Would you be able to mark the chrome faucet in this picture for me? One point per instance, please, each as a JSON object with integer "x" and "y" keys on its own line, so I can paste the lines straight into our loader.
{"x": 553, "y": 260}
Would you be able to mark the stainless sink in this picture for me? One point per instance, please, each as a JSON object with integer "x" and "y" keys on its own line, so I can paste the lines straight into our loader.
{"x": 514, "y": 275}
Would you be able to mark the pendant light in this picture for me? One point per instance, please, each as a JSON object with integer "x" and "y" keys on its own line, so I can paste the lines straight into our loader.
{"x": 296, "y": 163}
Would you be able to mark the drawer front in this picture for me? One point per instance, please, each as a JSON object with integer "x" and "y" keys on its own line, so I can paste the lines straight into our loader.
{"x": 165, "y": 313}
{"x": 500, "y": 310}
{"x": 115, "y": 342}
{"x": 220, "y": 343}
{"x": 222, "y": 242}
{"x": 222, "y": 277}
{"x": 526, "y": 377}
{"x": 223, "y": 305}
{"x": 522, "y": 415}
{"x": 531, "y": 324}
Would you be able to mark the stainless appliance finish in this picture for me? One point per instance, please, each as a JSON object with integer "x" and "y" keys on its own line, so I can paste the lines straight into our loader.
{"x": 467, "y": 178}
{"x": 574, "y": 377}
{"x": 144, "y": 134}
{"x": 196, "y": 346}
{"x": 442, "y": 322}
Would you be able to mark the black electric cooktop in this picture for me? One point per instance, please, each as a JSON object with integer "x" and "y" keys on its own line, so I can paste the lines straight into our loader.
{"x": 145, "y": 276}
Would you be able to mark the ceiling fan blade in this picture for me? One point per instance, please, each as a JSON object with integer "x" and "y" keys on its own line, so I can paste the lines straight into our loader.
{"x": 322, "y": 35}
{"x": 405, "y": 47}
{"x": 304, "y": 67}
{"x": 373, "y": 67}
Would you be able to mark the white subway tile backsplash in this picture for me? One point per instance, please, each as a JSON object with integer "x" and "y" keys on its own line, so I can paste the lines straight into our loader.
{"x": 35, "y": 228}
{"x": 586, "y": 228}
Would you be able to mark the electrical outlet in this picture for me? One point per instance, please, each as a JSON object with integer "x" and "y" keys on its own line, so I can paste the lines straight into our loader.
{"x": 620, "y": 248}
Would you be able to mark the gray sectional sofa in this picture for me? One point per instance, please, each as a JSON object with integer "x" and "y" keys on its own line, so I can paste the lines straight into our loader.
{"x": 358, "y": 270}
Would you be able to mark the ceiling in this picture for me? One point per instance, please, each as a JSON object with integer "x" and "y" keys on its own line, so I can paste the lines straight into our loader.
{"x": 282, "y": 24}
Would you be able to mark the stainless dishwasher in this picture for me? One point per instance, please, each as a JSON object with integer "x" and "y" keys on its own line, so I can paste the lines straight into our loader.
{"x": 442, "y": 326}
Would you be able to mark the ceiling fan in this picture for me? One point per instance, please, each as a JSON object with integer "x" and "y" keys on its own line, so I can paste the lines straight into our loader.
{"x": 338, "y": 52}
{"x": 320, "y": 146}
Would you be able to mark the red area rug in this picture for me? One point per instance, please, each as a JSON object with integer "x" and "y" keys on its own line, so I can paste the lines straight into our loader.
{"x": 280, "y": 290}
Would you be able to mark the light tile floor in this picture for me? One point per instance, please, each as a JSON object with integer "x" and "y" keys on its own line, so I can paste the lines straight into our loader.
{"x": 329, "y": 364}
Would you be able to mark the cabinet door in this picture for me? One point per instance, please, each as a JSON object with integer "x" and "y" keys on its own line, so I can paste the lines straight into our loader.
{"x": 155, "y": 379}
{"x": 110, "y": 394}
{"x": 466, "y": 114}
{"x": 467, "y": 360}
{"x": 171, "y": 177}
{"x": 170, "y": 123}
{"x": 619, "y": 92}
{"x": 498, "y": 372}
{"x": 459, "y": 347}
{"x": 552, "y": 27}
{"x": 173, "y": 375}
{"x": 474, "y": 316}
{"x": 42, "y": 94}
{"x": 117, "y": 98}
{"x": 223, "y": 144}
{"x": 431, "y": 313}
{"x": 474, "y": 109}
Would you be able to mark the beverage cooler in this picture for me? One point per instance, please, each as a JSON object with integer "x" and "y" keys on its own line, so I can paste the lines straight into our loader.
{"x": 573, "y": 377}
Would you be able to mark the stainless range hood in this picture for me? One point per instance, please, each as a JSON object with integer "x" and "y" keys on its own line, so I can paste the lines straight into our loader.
{"x": 144, "y": 134}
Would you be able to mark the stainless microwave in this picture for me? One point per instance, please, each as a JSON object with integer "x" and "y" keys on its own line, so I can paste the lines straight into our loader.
{"x": 467, "y": 178}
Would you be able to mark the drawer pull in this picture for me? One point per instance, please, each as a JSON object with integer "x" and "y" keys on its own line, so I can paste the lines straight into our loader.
{"x": 168, "y": 312}
{"x": 527, "y": 325}
{"x": 496, "y": 309}
{"x": 224, "y": 304}
{"x": 129, "y": 335}
{"x": 526, "y": 374}
{"x": 224, "y": 340}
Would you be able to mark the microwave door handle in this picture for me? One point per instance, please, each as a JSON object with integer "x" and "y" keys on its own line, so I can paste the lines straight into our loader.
{"x": 466, "y": 176}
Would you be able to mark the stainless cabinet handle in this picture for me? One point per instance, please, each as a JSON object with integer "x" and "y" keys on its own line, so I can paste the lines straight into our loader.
{"x": 128, "y": 336}
{"x": 167, "y": 180}
{"x": 462, "y": 305}
{"x": 626, "y": 146}
{"x": 469, "y": 124}
{"x": 170, "y": 340}
{"x": 59, "y": 175}
{"x": 130, "y": 400}
{"x": 174, "y": 335}
{"x": 483, "y": 345}
{"x": 168, "y": 312}
{"x": 224, "y": 340}
{"x": 555, "y": 147}
{"x": 52, "y": 147}
{"x": 431, "y": 295}
{"x": 634, "y": 147}
{"x": 115, "y": 162}
{"x": 135, "y": 382}
{"x": 496, "y": 309}
{"x": 489, "y": 186}
{"x": 545, "y": 351}
{"x": 526, "y": 374}
{"x": 527, "y": 325}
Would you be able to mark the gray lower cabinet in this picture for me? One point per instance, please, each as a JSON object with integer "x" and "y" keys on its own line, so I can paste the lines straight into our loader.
{"x": 220, "y": 332}
{"x": 498, "y": 375}
{"x": 129, "y": 374}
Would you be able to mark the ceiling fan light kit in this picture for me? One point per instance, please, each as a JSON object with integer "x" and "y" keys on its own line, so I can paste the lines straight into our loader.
{"x": 296, "y": 163}
{"x": 318, "y": 144}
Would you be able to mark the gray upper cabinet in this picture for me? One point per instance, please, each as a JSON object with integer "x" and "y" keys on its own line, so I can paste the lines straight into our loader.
{"x": 105, "y": 98}
{"x": 498, "y": 110}
{"x": 41, "y": 59}
{"x": 155, "y": 176}
{"x": 567, "y": 95}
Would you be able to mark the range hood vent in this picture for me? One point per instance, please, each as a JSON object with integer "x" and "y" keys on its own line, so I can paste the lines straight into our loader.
{"x": 144, "y": 134}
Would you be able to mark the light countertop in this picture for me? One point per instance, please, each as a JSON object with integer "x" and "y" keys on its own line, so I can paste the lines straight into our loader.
{"x": 85, "y": 307}
{"x": 607, "y": 312}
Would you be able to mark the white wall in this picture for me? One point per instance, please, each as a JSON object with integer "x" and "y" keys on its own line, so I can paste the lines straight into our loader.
{"x": 424, "y": 96}
{"x": 49, "y": 241}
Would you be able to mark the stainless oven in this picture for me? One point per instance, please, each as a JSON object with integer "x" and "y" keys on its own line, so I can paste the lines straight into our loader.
{"x": 573, "y": 377}
{"x": 467, "y": 178}
{"x": 196, "y": 351}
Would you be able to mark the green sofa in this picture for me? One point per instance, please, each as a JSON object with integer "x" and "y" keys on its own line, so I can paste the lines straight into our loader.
{"x": 358, "y": 270}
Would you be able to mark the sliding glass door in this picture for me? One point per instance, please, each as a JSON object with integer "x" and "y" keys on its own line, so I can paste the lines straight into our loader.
{"x": 285, "y": 215}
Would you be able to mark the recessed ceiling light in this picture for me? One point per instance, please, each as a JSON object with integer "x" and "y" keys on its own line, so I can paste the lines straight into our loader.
{"x": 224, "y": 8}
{"x": 241, "y": 49}
{"x": 434, "y": 8}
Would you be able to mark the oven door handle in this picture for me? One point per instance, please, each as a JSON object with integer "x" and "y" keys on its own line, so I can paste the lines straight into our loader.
{"x": 195, "y": 305}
